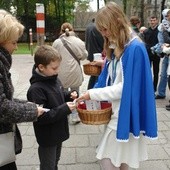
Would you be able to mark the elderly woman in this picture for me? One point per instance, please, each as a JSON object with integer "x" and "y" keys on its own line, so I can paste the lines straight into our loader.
{"x": 12, "y": 110}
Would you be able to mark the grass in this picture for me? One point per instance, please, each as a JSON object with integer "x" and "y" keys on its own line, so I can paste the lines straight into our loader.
{"x": 24, "y": 48}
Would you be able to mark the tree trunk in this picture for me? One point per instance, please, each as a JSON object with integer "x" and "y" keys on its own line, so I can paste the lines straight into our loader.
{"x": 162, "y": 7}
{"x": 124, "y": 5}
{"x": 64, "y": 11}
{"x": 155, "y": 8}
{"x": 59, "y": 12}
{"x": 56, "y": 11}
{"x": 26, "y": 7}
{"x": 142, "y": 12}
{"x": 98, "y": 6}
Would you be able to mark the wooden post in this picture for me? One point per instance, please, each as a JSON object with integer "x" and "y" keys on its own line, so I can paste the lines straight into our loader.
{"x": 31, "y": 41}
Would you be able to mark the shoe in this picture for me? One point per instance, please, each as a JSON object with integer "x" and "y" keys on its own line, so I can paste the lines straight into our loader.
{"x": 74, "y": 118}
{"x": 168, "y": 107}
{"x": 159, "y": 97}
{"x": 75, "y": 121}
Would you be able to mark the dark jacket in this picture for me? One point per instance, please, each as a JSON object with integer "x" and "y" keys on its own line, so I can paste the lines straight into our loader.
{"x": 11, "y": 110}
{"x": 166, "y": 36}
{"x": 93, "y": 41}
{"x": 150, "y": 38}
{"x": 52, "y": 127}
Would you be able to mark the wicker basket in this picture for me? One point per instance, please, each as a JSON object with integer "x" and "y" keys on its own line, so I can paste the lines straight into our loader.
{"x": 95, "y": 117}
{"x": 92, "y": 70}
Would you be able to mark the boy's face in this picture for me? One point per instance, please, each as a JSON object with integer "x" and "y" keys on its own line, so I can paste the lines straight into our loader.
{"x": 50, "y": 69}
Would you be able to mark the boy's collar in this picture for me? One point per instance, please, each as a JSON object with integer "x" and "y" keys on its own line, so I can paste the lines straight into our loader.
{"x": 38, "y": 72}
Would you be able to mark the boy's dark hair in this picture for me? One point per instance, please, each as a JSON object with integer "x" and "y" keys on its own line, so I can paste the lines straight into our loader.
{"x": 153, "y": 17}
{"x": 45, "y": 54}
{"x": 134, "y": 20}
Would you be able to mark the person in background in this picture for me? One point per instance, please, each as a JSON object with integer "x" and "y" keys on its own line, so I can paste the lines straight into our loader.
{"x": 12, "y": 110}
{"x": 129, "y": 88}
{"x": 151, "y": 39}
{"x": 94, "y": 44}
{"x": 165, "y": 25}
{"x": 166, "y": 50}
{"x": 141, "y": 30}
{"x": 161, "y": 93}
{"x": 135, "y": 23}
{"x": 70, "y": 72}
{"x": 51, "y": 129}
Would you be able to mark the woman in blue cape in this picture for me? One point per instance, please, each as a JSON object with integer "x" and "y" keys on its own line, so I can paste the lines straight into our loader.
{"x": 126, "y": 82}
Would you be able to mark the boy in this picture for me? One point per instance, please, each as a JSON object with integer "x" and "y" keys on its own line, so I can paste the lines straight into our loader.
{"x": 51, "y": 129}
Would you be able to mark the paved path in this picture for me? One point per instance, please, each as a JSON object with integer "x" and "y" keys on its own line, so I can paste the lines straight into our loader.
{"x": 78, "y": 151}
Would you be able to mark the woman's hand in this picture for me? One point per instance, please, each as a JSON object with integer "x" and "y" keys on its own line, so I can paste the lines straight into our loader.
{"x": 84, "y": 96}
{"x": 97, "y": 63}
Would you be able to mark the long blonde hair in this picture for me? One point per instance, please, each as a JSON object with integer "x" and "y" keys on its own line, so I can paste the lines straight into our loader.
{"x": 112, "y": 18}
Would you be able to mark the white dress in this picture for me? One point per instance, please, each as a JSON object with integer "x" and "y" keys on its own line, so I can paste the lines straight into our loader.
{"x": 131, "y": 152}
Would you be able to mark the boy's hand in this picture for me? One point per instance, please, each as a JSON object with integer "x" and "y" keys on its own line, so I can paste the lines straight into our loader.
{"x": 40, "y": 111}
{"x": 71, "y": 105}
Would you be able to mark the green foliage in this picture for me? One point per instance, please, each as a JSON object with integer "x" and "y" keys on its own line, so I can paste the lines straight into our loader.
{"x": 62, "y": 9}
{"x": 56, "y": 12}
{"x": 82, "y": 5}
{"x": 5, "y": 4}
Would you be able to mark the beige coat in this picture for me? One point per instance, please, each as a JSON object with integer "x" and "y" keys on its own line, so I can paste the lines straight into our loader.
{"x": 70, "y": 72}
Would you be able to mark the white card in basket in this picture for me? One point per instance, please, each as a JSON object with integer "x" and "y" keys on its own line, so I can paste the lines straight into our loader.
{"x": 93, "y": 105}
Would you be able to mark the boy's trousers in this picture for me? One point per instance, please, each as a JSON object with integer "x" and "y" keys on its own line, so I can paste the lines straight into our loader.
{"x": 49, "y": 157}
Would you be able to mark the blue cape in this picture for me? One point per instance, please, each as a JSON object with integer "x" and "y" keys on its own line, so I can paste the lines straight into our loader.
{"x": 137, "y": 111}
{"x": 101, "y": 82}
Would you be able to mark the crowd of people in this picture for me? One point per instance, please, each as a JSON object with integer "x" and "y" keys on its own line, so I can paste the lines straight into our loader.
{"x": 157, "y": 40}
{"x": 129, "y": 54}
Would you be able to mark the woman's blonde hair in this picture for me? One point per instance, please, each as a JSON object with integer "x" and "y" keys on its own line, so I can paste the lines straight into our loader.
{"x": 112, "y": 18}
{"x": 3, "y": 12}
{"x": 10, "y": 27}
{"x": 65, "y": 28}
